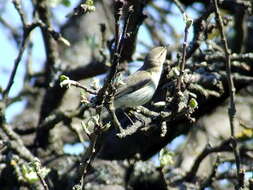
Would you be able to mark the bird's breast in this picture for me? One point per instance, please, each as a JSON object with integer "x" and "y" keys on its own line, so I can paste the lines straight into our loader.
{"x": 136, "y": 98}
{"x": 156, "y": 75}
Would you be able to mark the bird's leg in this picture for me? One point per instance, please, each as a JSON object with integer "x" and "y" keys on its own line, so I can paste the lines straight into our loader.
{"x": 137, "y": 118}
{"x": 140, "y": 120}
{"x": 116, "y": 122}
{"x": 129, "y": 118}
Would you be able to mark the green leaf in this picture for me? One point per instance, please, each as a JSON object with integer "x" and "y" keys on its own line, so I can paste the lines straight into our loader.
{"x": 193, "y": 103}
{"x": 166, "y": 157}
{"x": 29, "y": 171}
{"x": 89, "y": 2}
{"x": 63, "y": 78}
{"x": 66, "y": 3}
{"x": 29, "y": 174}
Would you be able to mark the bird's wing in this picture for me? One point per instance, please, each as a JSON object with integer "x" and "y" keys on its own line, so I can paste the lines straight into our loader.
{"x": 133, "y": 82}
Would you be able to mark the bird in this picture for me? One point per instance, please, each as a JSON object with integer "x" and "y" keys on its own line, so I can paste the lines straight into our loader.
{"x": 139, "y": 88}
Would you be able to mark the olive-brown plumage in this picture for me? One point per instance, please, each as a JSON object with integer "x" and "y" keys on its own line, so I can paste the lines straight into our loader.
{"x": 139, "y": 88}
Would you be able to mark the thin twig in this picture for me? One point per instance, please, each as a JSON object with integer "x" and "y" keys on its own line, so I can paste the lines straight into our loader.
{"x": 16, "y": 143}
{"x": 179, "y": 6}
{"x": 91, "y": 155}
{"x": 117, "y": 14}
{"x": 188, "y": 23}
{"x": 108, "y": 87}
{"x": 116, "y": 57}
{"x": 16, "y": 64}
{"x": 17, "y": 6}
{"x": 42, "y": 181}
{"x": 26, "y": 32}
{"x": 183, "y": 62}
{"x": 114, "y": 117}
{"x": 124, "y": 32}
{"x": 231, "y": 109}
{"x": 69, "y": 82}
{"x": 199, "y": 28}
{"x": 224, "y": 146}
{"x": 119, "y": 50}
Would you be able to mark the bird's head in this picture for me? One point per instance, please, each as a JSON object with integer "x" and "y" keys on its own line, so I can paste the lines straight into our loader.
{"x": 156, "y": 57}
